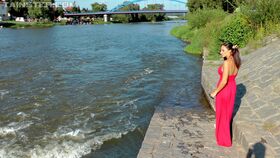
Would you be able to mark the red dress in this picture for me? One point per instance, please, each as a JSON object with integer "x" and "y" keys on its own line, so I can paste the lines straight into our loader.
{"x": 224, "y": 108}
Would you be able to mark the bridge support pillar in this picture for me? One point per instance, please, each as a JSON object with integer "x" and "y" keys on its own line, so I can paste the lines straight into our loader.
{"x": 106, "y": 17}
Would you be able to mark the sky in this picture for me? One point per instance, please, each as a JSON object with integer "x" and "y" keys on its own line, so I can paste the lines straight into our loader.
{"x": 168, "y": 5}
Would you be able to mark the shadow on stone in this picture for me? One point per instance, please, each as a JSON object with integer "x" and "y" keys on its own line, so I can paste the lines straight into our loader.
{"x": 257, "y": 151}
{"x": 240, "y": 92}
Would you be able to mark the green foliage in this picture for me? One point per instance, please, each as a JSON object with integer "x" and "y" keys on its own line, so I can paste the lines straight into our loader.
{"x": 17, "y": 10}
{"x": 196, "y": 45}
{"x": 226, "y": 5}
{"x": 32, "y": 9}
{"x": 212, "y": 32}
{"x": 97, "y": 7}
{"x": 259, "y": 12}
{"x": 35, "y": 12}
{"x": 99, "y": 21}
{"x": 201, "y": 17}
{"x": 236, "y": 30}
{"x": 14, "y": 24}
{"x": 76, "y": 9}
{"x": 183, "y": 32}
{"x": 264, "y": 17}
{"x": 140, "y": 17}
{"x": 59, "y": 11}
{"x": 154, "y": 17}
{"x": 206, "y": 28}
{"x": 127, "y": 18}
{"x": 249, "y": 24}
{"x": 194, "y": 5}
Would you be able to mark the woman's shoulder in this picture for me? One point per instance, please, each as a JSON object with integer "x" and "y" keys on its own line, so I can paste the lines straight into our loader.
{"x": 225, "y": 63}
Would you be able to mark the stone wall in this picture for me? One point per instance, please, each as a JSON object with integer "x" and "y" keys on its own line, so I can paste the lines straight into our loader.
{"x": 256, "y": 124}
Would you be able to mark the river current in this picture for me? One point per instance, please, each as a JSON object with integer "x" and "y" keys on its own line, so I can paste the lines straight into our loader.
{"x": 90, "y": 90}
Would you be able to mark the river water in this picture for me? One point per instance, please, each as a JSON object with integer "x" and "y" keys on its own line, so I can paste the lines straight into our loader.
{"x": 90, "y": 90}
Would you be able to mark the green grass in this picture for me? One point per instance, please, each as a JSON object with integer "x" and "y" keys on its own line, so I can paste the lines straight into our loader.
{"x": 208, "y": 28}
{"x": 16, "y": 24}
{"x": 251, "y": 26}
{"x": 201, "y": 32}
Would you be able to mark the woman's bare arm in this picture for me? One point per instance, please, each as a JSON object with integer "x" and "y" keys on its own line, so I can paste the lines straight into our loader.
{"x": 223, "y": 81}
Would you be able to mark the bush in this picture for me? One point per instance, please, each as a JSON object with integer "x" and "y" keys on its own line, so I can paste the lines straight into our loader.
{"x": 200, "y": 18}
{"x": 181, "y": 31}
{"x": 236, "y": 30}
{"x": 208, "y": 28}
{"x": 211, "y": 38}
{"x": 262, "y": 11}
{"x": 196, "y": 45}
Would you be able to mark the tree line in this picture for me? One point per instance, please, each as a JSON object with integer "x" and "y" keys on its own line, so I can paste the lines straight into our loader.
{"x": 226, "y": 5}
{"x": 30, "y": 9}
{"x": 245, "y": 23}
{"x": 97, "y": 7}
{"x": 34, "y": 9}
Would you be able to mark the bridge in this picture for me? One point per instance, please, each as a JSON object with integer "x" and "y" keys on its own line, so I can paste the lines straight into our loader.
{"x": 124, "y": 12}
{"x": 136, "y": 1}
{"x": 116, "y": 9}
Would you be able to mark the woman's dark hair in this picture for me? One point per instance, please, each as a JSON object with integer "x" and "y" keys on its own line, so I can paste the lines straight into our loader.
{"x": 235, "y": 53}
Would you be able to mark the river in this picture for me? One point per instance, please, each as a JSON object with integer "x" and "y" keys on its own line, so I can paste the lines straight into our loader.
{"x": 90, "y": 90}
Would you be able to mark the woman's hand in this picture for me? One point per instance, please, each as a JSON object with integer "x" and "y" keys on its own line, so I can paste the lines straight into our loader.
{"x": 213, "y": 94}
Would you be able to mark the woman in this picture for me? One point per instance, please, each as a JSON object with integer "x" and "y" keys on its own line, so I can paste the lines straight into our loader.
{"x": 225, "y": 93}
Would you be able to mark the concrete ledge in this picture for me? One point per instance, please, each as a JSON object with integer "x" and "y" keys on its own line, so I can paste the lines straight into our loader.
{"x": 178, "y": 132}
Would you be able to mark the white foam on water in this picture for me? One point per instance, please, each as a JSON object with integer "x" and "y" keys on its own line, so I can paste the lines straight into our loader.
{"x": 131, "y": 104}
{"x": 148, "y": 71}
{"x": 7, "y": 131}
{"x": 92, "y": 115}
{"x": 60, "y": 149}
{"x": 2, "y": 93}
{"x": 22, "y": 114}
{"x": 68, "y": 133}
{"x": 13, "y": 127}
{"x": 37, "y": 104}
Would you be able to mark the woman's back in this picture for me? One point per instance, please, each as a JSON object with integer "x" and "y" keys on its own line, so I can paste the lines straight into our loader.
{"x": 233, "y": 70}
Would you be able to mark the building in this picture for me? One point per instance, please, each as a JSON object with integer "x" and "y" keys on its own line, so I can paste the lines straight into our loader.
{"x": 3, "y": 10}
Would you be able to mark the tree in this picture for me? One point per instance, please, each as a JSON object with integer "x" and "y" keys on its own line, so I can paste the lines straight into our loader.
{"x": 128, "y": 17}
{"x": 35, "y": 12}
{"x": 226, "y": 5}
{"x": 84, "y": 10}
{"x": 59, "y": 11}
{"x": 16, "y": 8}
{"x": 200, "y": 4}
{"x": 154, "y": 17}
{"x": 96, "y": 7}
{"x": 31, "y": 8}
{"x": 76, "y": 9}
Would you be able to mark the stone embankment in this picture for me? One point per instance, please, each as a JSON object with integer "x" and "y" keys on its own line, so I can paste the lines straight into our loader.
{"x": 256, "y": 124}
{"x": 177, "y": 132}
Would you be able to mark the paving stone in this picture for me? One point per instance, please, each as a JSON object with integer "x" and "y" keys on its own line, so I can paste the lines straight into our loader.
{"x": 144, "y": 155}
{"x": 271, "y": 141}
{"x": 252, "y": 97}
{"x": 276, "y": 101}
{"x": 276, "y": 131}
{"x": 274, "y": 119}
{"x": 266, "y": 111}
{"x": 195, "y": 138}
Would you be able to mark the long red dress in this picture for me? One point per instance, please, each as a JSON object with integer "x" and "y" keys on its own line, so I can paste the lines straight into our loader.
{"x": 224, "y": 108}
